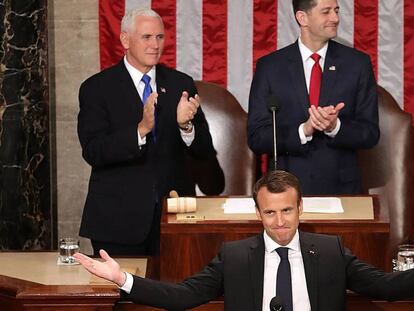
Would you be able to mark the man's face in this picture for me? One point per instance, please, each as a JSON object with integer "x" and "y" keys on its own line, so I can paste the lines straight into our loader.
{"x": 322, "y": 20}
{"x": 144, "y": 43}
{"x": 279, "y": 213}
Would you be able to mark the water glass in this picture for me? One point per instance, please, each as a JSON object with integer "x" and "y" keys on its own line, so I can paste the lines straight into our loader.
{"x": 405, "y": 257}
{"x": 68, "y": 247}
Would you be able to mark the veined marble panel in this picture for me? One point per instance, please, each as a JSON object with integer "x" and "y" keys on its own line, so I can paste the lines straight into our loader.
{"x": 25, "y": 209}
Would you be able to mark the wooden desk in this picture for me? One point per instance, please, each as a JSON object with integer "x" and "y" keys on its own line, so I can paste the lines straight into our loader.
{"x": 188, "y": 245}
{"x": 33, "y": 281}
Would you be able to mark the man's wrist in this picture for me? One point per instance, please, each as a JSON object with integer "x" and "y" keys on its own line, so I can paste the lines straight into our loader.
{"x": 121, "y": 280}
{"x": 187, "y": 127}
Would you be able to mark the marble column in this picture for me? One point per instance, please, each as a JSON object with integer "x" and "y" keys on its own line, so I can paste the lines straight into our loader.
{"x": 26, "y": 217}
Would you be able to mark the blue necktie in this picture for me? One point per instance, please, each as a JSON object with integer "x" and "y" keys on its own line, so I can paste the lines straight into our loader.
{"x": 147, "y": 89}
{"x": 147, "y": 92}
{"x": 284, "y": 279}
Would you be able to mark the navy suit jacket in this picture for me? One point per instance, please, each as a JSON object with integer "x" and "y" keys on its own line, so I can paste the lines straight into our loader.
{"x": 126, "y": 181}
{"x": 324, "y": 165}
{"x": 237, "y": 273}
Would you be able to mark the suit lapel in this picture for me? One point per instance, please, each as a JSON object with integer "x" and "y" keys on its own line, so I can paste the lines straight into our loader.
{"x": 297, "y": 76}
{"x": 310, "y": 255}
{"x": 329, "y": 75}
{"x": 162, "y": 99}
{"x": 256, "y": 264}
{"x": 129, "y": 89}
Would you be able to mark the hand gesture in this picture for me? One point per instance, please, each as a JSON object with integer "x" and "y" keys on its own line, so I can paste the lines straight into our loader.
{"x": 187, "y": 108}
{"x": 107, "y": 269}
{"x": 148, "y": 118}
{"x": 322, "y": 118}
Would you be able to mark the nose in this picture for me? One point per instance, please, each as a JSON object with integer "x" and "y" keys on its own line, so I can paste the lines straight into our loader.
{"x": 280, "y": 221}
{"x": 154, "y": 42}
{"x": 335, "y": 17}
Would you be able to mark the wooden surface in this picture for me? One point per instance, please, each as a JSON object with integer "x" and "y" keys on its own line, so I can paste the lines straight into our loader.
{"x": 33, "y": 281}
{"x": 188, "y": 245}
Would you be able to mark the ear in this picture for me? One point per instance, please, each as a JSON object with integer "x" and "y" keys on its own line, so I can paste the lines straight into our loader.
{"x": 302, "y": 18}
{"x": 124, "y": 38}
{"x": 300, "y": 207}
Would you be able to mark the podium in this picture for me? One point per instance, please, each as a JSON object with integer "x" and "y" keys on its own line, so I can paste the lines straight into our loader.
{"x": 33, "y": 281}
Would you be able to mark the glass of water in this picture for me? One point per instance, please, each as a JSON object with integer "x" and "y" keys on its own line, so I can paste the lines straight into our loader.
{"x": 68, "y": 247}
{"x": 405, "y": 257}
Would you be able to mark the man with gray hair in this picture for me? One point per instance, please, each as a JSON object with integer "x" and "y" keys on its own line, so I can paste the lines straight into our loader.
{"x": 137, "y": 122}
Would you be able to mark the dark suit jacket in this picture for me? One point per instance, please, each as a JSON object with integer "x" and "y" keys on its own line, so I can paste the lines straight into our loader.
{"x": 237, "y": 272}
{"x": 126, "y": 181}
{"x": 324, "y": 165}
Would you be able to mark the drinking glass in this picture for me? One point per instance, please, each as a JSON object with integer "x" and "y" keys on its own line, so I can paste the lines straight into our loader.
{"x": 405, "y": 257}
{"x": 68, "y": 247}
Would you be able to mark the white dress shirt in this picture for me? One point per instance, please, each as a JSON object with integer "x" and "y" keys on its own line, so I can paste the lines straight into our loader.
{"x": 308, "y": 63}
{"x": 300, "y": 295}
{"x": 136, "y": 77}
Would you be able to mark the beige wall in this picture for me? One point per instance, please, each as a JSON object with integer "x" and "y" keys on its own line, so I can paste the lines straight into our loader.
{"x": 74, "y": 56}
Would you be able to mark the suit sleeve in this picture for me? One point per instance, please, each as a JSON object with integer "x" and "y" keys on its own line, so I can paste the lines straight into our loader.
{"x": 359, "y": 129}
{"x": 102, "y": 142}
{"x": 194, "y": 291}
{"x": 259, "y": 122}
{"x": 202, "y": 145}
{"x": 370, "y": 281}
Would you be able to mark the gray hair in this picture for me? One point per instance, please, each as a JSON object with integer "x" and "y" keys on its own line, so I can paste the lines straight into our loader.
{"x": 128, "y": 20}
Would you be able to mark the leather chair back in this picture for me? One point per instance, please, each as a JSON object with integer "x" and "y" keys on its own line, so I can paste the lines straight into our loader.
{"x": 387, "y": 169}
{"x": 228, "y": 124}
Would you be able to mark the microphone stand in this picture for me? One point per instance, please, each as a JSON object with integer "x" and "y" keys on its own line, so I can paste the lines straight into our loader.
{"x": 274, "y": 110}
{"x": 272, "y": 104}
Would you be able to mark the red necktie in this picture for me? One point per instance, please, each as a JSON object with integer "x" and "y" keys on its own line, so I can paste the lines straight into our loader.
{"x": 315, "y": 81}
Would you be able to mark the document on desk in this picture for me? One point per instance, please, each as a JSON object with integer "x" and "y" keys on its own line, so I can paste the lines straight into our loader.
{"x": 310, "y": 205}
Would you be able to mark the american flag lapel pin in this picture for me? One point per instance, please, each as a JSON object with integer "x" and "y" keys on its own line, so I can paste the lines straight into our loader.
{"x": 332, "y": 68}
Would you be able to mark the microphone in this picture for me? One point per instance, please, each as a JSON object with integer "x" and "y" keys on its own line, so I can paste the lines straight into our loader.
{"x": 272, "y": 104}
{"x": 276, "y": 304}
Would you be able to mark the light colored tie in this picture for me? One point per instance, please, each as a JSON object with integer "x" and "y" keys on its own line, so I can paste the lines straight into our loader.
{"x": 147, "y": 89}
{"x": 147, "y": 92}
{"x": 315, "y": 81}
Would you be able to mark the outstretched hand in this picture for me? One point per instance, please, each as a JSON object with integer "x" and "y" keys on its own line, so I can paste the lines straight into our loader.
{"x": 107, "y": 269}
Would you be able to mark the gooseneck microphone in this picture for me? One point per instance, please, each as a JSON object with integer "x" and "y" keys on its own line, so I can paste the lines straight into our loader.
{"x": 276, "y": 304}
{"x": 272, "y": 104}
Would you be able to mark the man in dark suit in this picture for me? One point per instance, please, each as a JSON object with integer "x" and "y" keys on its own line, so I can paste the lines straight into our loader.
{"x": 138, "y": 121}
{"x": 317, "y": 141}
{"x": 250, "y": 272}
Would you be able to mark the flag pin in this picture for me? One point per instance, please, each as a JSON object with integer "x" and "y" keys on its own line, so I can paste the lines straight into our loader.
{"x": 333, "y": 68}
{"x": 163, "y": 90}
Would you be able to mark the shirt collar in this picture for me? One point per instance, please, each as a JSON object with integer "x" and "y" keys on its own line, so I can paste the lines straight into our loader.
{"x": 271, "y": 245}
{"x": 136, "y": 75}
{"x": 306, "y": 53}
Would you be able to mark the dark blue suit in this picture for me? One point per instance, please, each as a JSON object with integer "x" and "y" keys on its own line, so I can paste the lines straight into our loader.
{"x": 324, "y": 165}
{"x": 126, "y": 181}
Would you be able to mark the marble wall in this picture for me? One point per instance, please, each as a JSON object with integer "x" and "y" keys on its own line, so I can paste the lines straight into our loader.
{"x": 73, "y": 56}
{"x": 25, "y": 202}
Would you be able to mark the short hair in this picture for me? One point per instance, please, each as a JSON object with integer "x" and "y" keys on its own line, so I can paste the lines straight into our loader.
{"x": 277, "y": 182}
{"x": 128, "y": 20}
{"x": 303, "y": 5}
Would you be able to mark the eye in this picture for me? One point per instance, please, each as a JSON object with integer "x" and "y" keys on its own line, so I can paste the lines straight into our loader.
{"x": 146, "y": 37}
{"x": 160, "y": 37}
